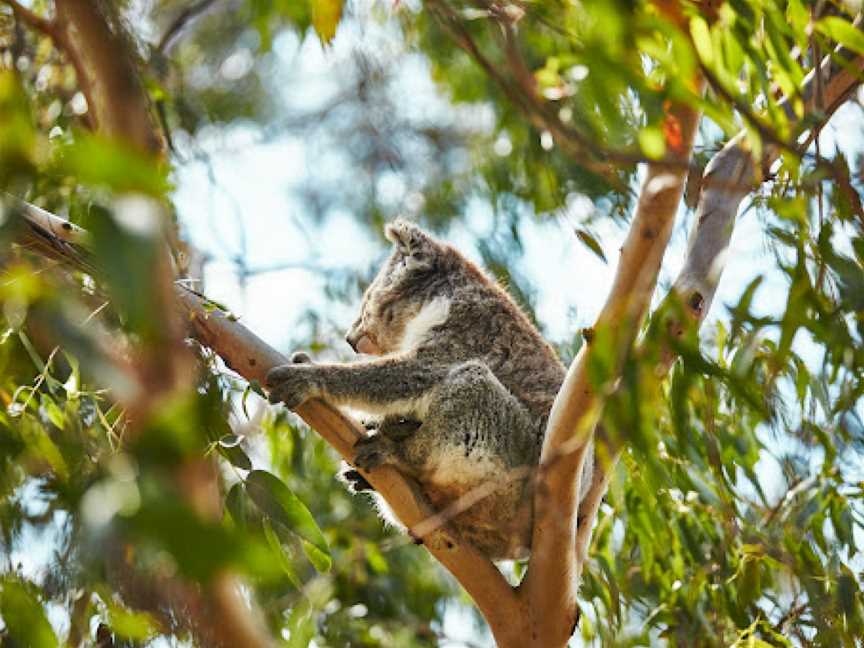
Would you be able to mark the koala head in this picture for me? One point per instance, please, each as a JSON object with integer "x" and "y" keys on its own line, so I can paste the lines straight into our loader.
{"x": 401, "y": 302}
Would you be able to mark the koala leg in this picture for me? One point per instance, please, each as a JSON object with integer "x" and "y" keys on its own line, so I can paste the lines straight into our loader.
{"x": 476, "y": 451}
{"x": 475, "y": 422}
{"x": 382, "y": 447}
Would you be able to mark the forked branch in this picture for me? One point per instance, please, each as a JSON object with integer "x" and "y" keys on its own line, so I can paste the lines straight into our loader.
{"x": 730, "y": 176}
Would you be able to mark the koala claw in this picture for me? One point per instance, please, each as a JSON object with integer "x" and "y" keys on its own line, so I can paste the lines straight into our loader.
{"x": 372, "y": 452}
{"x": 357, "y": 483}
{"x": 291, "y": 384}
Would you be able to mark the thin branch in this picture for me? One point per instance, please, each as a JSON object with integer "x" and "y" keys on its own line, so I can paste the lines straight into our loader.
{"x": 180, "y": 22}
{"x": 32, "y": 19}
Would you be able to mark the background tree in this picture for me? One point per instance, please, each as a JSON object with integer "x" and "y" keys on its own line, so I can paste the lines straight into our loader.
{"x": 147, "y": 490}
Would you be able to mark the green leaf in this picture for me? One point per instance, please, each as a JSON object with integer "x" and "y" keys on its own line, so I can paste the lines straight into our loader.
{"x": 24, "y": 616}
{"x": 325, "y": 18}
{"x": 129, "y": 624}
{"x": 320, "y": 561}
{"x": 98, "y": 161}
{"x": 279, "y": 550}
{"x": 843, "y": 32}
{"x": 234, "y": 453}
{"x": 588, "y": 240}
{"x": 236, "y": 503}
{"x": 652, "y": 142}
{"x": 126, "y": 255}
{"x": 702, "y": 39}
{"x": 301, "y": 623}
{"x": 52, "y": 411}
{"x": 749, "y": 581}
{"x": 276, "y": 500}
{"x": 201, "y": 548}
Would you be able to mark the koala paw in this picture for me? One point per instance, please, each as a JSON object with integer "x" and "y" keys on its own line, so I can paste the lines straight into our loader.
{"x": 355, "y": 481}
{"x": 292, "y": 384}
{"x": 300, "y": 357}
{"x": 374, "y": 451}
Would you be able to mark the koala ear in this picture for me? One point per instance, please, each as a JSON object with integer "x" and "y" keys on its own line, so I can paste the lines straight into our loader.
{"x": 412, "y": 242}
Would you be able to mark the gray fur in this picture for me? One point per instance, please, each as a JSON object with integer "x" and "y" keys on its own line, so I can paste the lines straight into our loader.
{"x": 465, "y": 404}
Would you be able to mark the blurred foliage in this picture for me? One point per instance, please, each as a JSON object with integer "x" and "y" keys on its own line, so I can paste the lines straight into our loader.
{"x": 735, "y": 516}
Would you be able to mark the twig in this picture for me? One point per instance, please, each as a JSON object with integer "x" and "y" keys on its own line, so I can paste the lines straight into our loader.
{"x": 180, "y": 22}
{"x": 34, "y": 20}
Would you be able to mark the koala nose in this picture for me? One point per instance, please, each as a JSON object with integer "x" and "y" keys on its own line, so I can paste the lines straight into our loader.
{"x": 352, "y": 341}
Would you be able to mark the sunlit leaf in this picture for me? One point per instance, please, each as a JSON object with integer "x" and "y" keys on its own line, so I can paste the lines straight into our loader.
{"x": 279, "y": 551}
{"x": 843, "y": 32}
{"x": 325, "y": 18}
{"x": 24, "y": 616}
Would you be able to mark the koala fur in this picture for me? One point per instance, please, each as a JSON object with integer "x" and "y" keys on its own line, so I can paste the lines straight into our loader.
{"x": 462, "y": 381}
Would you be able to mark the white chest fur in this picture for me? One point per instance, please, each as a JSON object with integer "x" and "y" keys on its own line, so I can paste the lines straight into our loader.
{"x": 430, "y": 315}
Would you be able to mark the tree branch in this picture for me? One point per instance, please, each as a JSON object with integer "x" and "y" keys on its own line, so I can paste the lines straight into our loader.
{"x": 180, "y": 22}
{"x": 728, "y": 178}
{"x": 252, "y": 358}
{"x": 731, "y": 175}
{"x": 551, "y": 583}
{"x": 107, "y": 75}
{"x": 32, "y": 19}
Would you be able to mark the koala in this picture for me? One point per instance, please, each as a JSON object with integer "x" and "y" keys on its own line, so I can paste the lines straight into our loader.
{"x": 462, "y": 381}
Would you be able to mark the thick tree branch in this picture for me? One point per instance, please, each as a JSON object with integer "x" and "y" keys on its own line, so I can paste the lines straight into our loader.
{"x": 551, "y": 584}
{"x": 107, "y": 75}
